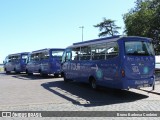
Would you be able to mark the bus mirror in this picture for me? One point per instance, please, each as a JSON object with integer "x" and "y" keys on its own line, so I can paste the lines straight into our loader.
{"x": 65, "y": 59}
{"x": 27, "y": 61}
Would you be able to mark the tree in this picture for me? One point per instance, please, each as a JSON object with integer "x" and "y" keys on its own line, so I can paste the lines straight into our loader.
{"x": 107, "y": 27}
{"x": 144, "y": 20}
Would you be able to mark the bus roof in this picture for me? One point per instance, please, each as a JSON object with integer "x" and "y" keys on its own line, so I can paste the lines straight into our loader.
{"x": 108, "y": 39}
{"x": 47, "y": 49}
{"x": 18, "y": 53}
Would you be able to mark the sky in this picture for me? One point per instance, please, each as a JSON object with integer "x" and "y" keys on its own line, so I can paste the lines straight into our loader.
{"x": 28, "y": 25}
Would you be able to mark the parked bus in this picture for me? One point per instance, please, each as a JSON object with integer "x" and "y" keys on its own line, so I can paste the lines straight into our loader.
{"x": 15, "y": 62}
{"x": 45, "y": 61}
{"x": 115, "y": 62}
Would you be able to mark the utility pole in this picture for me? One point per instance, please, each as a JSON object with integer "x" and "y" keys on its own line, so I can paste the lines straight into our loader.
{"x": 82, "y": 31}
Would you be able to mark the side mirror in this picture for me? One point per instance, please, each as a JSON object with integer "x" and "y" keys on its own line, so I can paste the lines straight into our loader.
{"x": 65, "y": 58}
{"x": 27, "y": 61}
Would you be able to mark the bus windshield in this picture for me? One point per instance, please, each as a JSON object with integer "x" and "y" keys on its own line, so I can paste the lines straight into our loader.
{"x": 139, "y": 48}
{"x": 57, "y": 53}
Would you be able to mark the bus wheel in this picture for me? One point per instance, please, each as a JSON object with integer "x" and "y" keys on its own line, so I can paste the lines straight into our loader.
{"x": 64, "y": 77}
{"x": 7, "y": 72}
{"x": 28, "y": 73}
{"x": 44, "y": 74}
{"x": 93, "y": 84}
{"x": 56, "y": 75}
{"x": 17, "y": 72}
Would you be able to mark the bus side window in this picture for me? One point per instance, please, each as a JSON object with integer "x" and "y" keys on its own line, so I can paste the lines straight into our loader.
{"x": 75, "y": 53}
{"x": 6, "y": 60}
{"x": 98, "y": 51}
{"x": 37, "y": 56}
{"x": 85, "y": 53}
{"x": 9, "y": 59}
{"x": 66, "y": 56}
{"x": 33, "y": 57}
{"x": 112, "y": 50}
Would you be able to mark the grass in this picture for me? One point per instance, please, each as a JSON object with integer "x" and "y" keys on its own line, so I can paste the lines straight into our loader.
{"x": 1, "y": 69}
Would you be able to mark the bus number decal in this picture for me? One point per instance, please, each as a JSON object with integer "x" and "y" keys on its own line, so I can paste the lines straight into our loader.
{"x": 135, "y": 69}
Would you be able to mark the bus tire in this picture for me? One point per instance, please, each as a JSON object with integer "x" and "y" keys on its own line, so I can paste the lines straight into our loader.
{"x": 64, "y": 78}
{"x": 56, "y": 75}
{"x": 7, "y": 72}
{"x": 17, "y": 72}
{"x": 93, "y": 84}
{"x": 44, "y": 74}
{"x": 28, "y": 73}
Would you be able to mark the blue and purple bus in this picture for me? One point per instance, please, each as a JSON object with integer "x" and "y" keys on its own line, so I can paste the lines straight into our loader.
{"x": 116, "y": 62}
{"x": 15, "y": 62}
{"x": 45, "y": 61}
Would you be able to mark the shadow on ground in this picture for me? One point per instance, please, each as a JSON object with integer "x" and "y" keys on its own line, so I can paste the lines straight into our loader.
{"x": 24, "y": 76}
{"x": 82, "y": 94}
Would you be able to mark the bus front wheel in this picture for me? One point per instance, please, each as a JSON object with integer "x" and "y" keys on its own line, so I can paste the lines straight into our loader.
{"x": 27, "y": 72}
{"x": 64, "y": 77}
{"x": 93, "y": 83}
{"x": 7, "y": 72}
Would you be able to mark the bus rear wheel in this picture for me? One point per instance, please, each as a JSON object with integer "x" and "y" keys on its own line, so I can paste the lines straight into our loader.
{"x": 56, "y": 75}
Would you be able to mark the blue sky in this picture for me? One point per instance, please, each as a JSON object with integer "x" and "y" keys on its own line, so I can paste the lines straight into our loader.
{"x": 28, "y": 25}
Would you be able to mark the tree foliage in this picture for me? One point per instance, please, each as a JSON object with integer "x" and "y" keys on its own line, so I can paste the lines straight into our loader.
{"x": 144, "y": 20}
{"x": 107, "y": 28}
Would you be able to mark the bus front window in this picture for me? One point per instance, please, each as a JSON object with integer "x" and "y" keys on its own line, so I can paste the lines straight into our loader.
{"x": 24, "y": 58}
{"x": 139, "y": 48}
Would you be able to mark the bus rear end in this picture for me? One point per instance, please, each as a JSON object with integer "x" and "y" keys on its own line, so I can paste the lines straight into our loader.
{"x": 55, "y": 61}
{"x": 138, "y": 63}
{"x": 21, "y": 67}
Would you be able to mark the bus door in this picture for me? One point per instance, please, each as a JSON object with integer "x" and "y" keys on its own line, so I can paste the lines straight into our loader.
{"x": 30, "y": 63}
{"x": 45, "y": 62}
{"x": 17, "y": 63}
{"x": 23, "y": 61}
{"x": 56, "y": 60}
{"x": 37, "y": 62}
{"x": 14, "y": 61}
{"x": 139, "y": 62}
{"x": 66, "y": 64}
{"x": 73, "y": 63}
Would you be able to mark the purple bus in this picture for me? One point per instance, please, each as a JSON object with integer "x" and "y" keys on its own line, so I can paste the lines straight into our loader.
{"x": 15, "y": 62}
{"x": 45, "y": 61}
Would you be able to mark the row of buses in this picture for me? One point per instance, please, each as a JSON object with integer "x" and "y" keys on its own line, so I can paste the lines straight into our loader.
{"x": 115, "y": 62}
{"x": 45, "y": 61}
